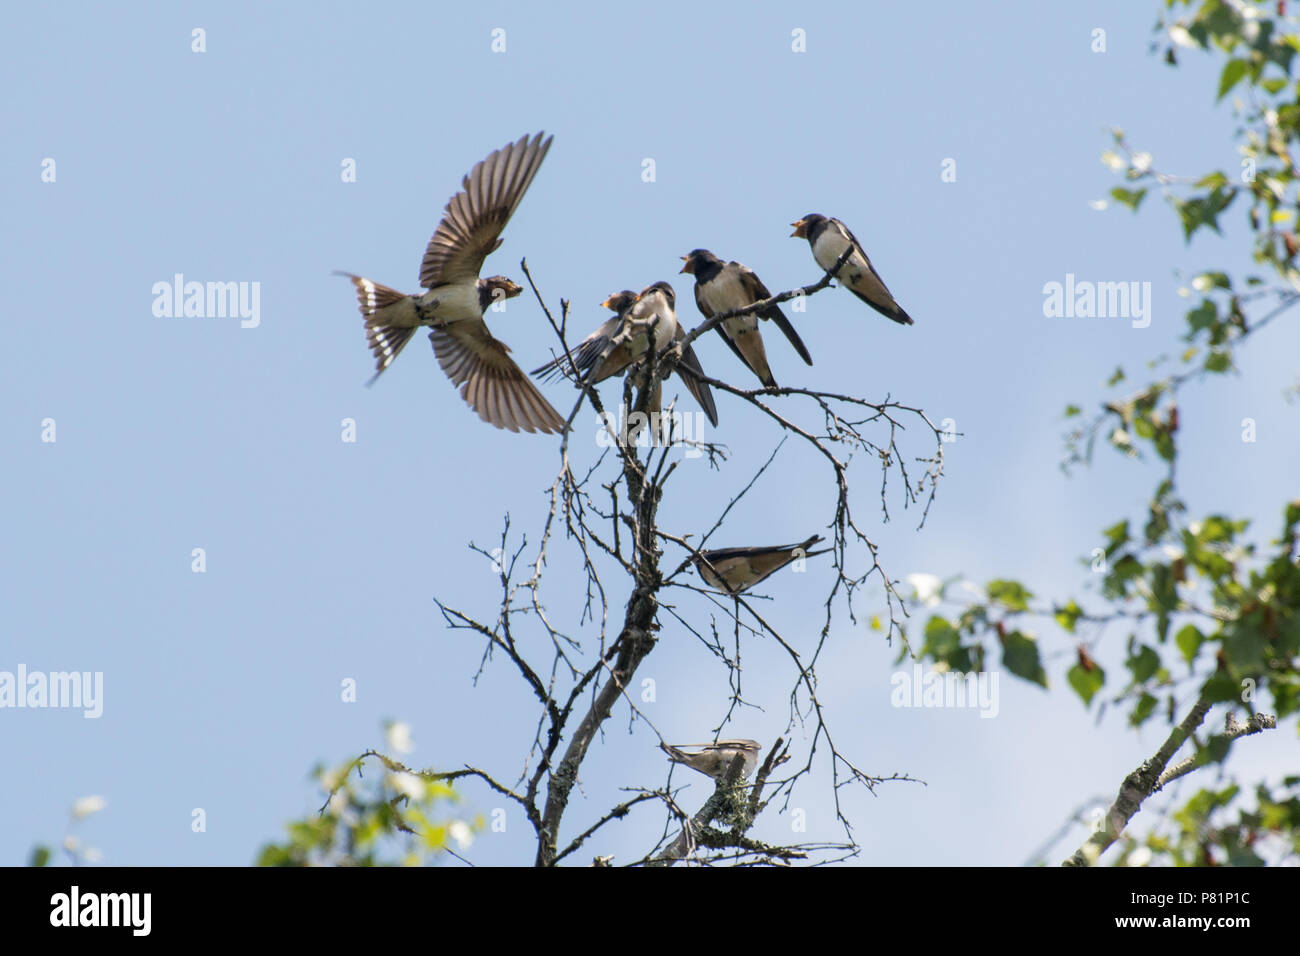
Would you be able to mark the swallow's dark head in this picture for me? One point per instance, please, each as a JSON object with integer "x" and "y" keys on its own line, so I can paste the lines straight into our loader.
{"x": 661, "y": 287}
{"x": 804, "y": 228}
{"x": 496, "y": 289}
{"x": 619, "y": 302}
{"x": 697, "y": 258}
{"x": 501, "y": 287}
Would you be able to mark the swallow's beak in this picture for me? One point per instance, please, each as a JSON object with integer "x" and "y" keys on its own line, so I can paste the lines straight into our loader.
{"x": 800, "y": 229}
{"x": 609, "y": 304}
{"x": 513, "y": 289}
{"x": 687, "y": 267}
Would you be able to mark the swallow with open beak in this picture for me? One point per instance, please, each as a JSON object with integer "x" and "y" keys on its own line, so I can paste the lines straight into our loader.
{"x": 647, "y": 320}
{"x": 723, "y": 286}
{"x": 714, "y": 760}
{"x": 589, "y": 349}
{"x": 828, "y": 239}
{"x": 735, "y": 570}
{"x": 453, "y": 307}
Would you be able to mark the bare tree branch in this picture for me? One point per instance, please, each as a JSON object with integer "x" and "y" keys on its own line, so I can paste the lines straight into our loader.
{"x": 1151, "y": 776}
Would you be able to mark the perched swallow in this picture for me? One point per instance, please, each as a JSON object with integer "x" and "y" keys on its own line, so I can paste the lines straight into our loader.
{"x": 828, "y": 239}
{"x": 734, "y": 570}
{"x": 637, "y": 315}
{"x": 491, "y": 383}
{"x": 714, "y": 760}
{"x": 589, "y": 349}
{"x": 723, "y": 286}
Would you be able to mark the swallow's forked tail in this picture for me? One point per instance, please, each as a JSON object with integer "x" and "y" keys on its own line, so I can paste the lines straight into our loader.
{"x": 676, "y": 755}
{"x": 385, "y": 341}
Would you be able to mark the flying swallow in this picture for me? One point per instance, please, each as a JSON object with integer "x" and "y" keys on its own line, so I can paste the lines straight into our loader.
{"x": 723, "y": 286}
{"x": 638, "y": 316}
{"x": 734, "y": 570}
{"x": 828, "y": 239}
{"x": 714, "y": 760}
{"x": 453, "y": 307}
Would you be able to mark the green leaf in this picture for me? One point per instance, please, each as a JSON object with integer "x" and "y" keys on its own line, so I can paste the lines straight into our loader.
{"x": 1245, "y": 649}
{"x": 941, "y": 638}
{"x": 40, "y": 856}
{"x": 1218, "y": 361}
{"x": 1204, "y": 210}
{"x": 1164, "y": 597}
{"x": 943, "y": 643}
{"x": 1129, "y": 197}
{"x": 1221, "y": 688}
{"x": 1143, "y": 709}
{"x": 1165, "y": 447}
{"x": 1011, "y": 594}
{"x": 1116, "y": 535}
{"x": 1231, "y": 76}
{"x": 1086, "y": 683}
{"x": 1189, "y": 641}
{"x": 1212, "y": 280}
{"x": 1020, "y": 656}
{"x": 1143, "y": 664}
{"x": 1069, "y": 615}
{"x": 1217, "y": 528}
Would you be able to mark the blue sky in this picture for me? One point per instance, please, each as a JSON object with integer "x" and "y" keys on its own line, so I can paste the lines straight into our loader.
{"x": 323, "y": 557}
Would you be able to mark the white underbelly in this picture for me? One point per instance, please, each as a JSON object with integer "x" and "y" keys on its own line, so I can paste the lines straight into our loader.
{"x": 829, "y": 247}
{"x": 639, "y": 340}
{"x": 727, "y": 292}
{"x": 450, "y": 303}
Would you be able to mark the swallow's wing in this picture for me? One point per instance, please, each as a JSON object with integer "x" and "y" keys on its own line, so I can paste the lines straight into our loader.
{"x": 490, "y": 382}
{"x": 701, "y": 303}
{"x": 619, "y": 359}
{"x": 754, "y": 286}
{"x": 474, "y": 218}
{"x": 584, "y": 355}
{"x": 742, "y": 568}
{"x": 722, "y": 554}
{"x": 729, "y": 294}
{"x": 692, "y": 375}
{"x": 726, "y": 572}
{"x": 858, "y": 257}
{"x": 739, "y": 743}
{"x": 867, "y": 284}
{"x": 720, "y": 328}
{"x": 730, "y": 744}
{"x": 767, "y": 563}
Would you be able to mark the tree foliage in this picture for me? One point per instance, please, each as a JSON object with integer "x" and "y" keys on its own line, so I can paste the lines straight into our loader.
{"x": 1207, "y": 607}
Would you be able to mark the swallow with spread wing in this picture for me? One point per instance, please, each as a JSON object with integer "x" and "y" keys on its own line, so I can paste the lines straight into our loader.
{"x": 453, "y": 307}
{"x": 651, "y": 312}
{"x": 829, "y": 238}
{"x": 714, "y": 760}
{"x": 589, "y": 349}
{"x": 723, "y": 286}
{"x": 735, "y": 570}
